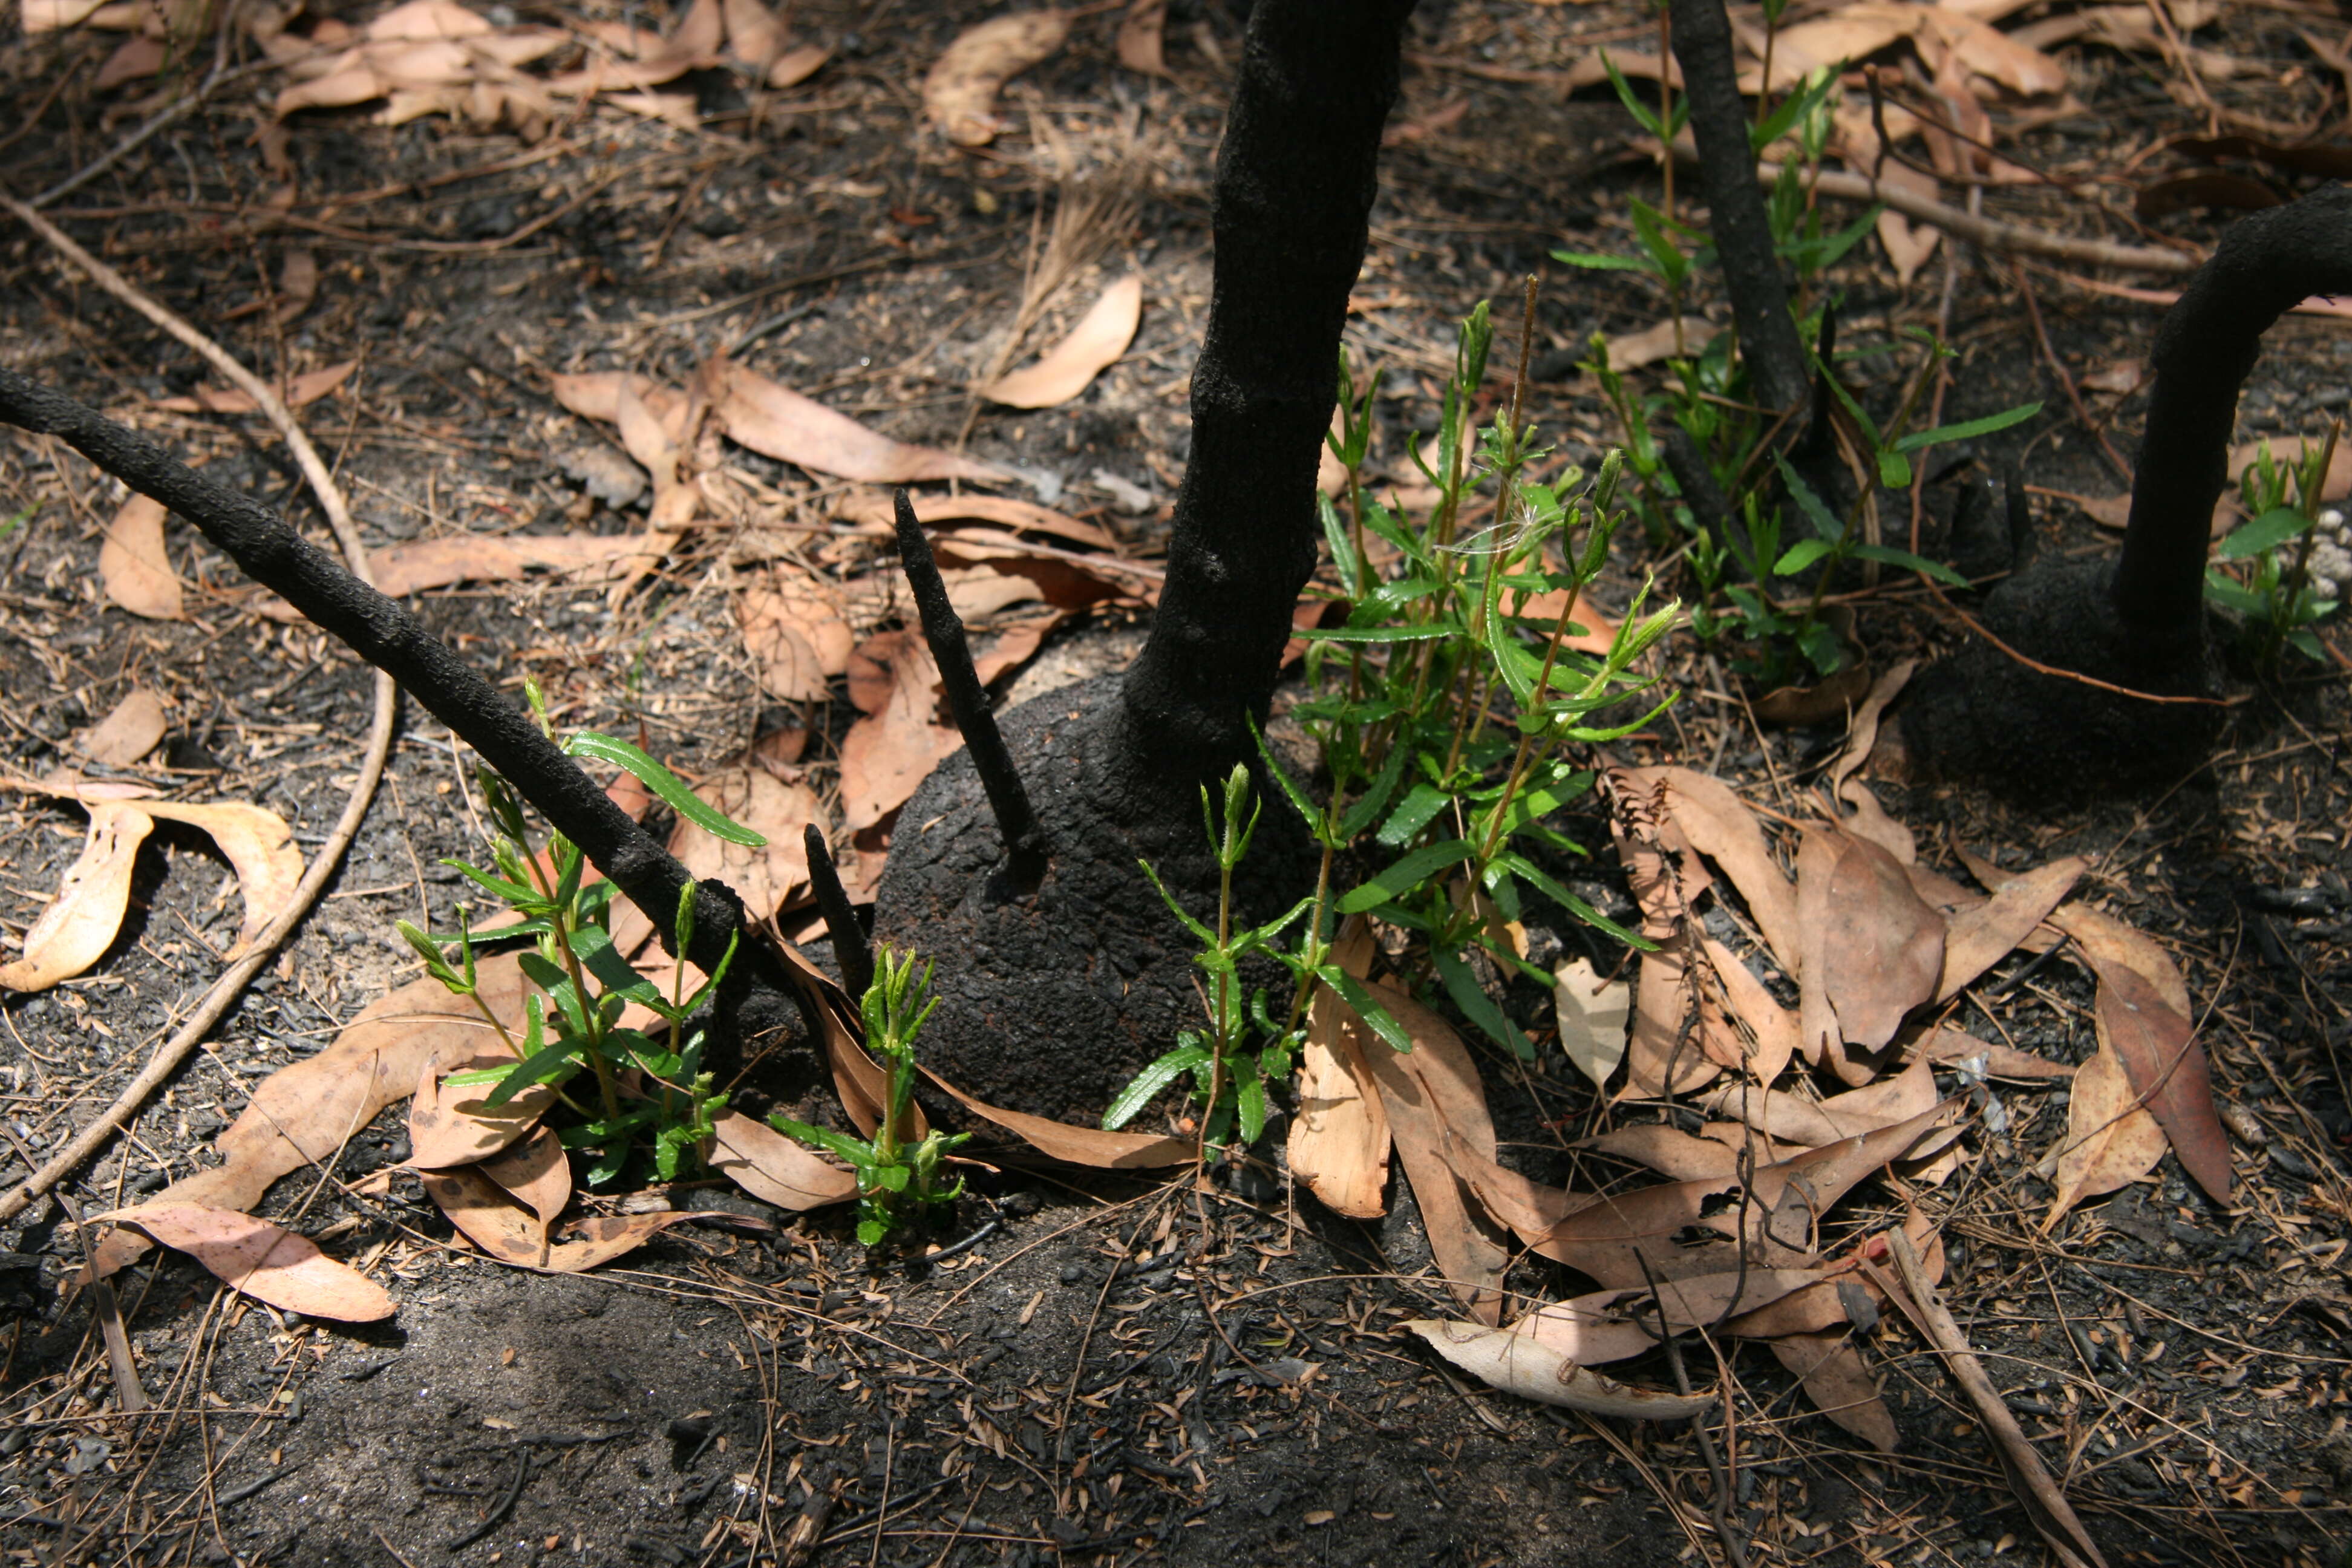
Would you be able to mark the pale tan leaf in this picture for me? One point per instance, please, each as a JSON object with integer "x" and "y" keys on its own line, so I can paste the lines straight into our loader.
{"x": 1775, "y": 1028}
{"x": 1839, "y": 1384}
{"x": 306, "y": 388}
{"x": 52, "y": 16}
{"x": 81, "y": 922}
{"x": 896, "y": 745}
{"x": 1613, "y": 1325}
{"x": 1092, "y": 346}
{"x": 1948, "y": 1047}
{"x": 960, "y": 92}
{"x": 1436, "y": 1109}
{"x": 418, "y": 21}
{"x": 1983, "y": 935}
{"x": 671, "y": 107}
{"x": 796, "y": 65}
{"x": 796, "y": 629}
{"x": 1141, "y": 42}
{"x": 266, "y": 1261}
{"x": 134, "y": 59}
{"x": 2106, "y": 940}
{"x": 755, "y": 35}
{"x": 1340, "y": 1139}
{"x": 301, "y": 1114}
{"x": 259, "y": 848}
{"x": 780, "y": 423}
{"x": 773, "y": 1168}
{"x": 1670, "y": 339}
{"x": 1592, "y": 1016}
{"x": 1908, "y": 245}
{"x": 1518, "y": 1364}
{"x": 1995, "y": 55}
{"x": 298, "y": 286}
{"x": 874, "y": 511}
{"x": 131, "y": 729}
{"x": 1791, "y": 1117}
{"x": 356, "y": 83}
{"x": 453, "y": 1124}
{"x": 424, "y": 565}
{"x": 596, "y": 394}
{"x": 1089, "y": 1146}
{"x": 535, "y": 1172}
{"x": 131, "y": 563}
{"x": 1847, "y": 35}
{"x": 2110, "y": 1142}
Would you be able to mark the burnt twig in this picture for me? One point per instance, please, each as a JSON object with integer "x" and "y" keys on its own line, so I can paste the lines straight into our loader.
{"x": 851, "y": 951}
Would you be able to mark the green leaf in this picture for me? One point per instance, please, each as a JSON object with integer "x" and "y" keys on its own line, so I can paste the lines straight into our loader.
{"x": 1297, "y": 797}
{"x": 857, "y": 1150}
{"x": 1144, "y": 1086}
{"x": 1969, "y": 430}
{"x": 1825, "y": 523}
{"x": 870, "y": 1232}
{"x": 1374, "y": 799}
{"x": 1597, "y": 261}
{"x": 664, "y": 784}
{"x": 540, "y": 1062}
{"x": 592, "y": 946}
{"x": 1801, "y": 554}
{"x": 1335, "y": 532}
{"x": 1367, "y": 1006}
{"x": 2233, "y": 595}
{"x": 1426, "y": 633}
{"x": 1535, "y": 876}
{"x": 2268, "y": 532}
{"x": 558, "y": 985}
{"x": 515, "y": 893}
{"x": 1406, "y": 874}
{"x": 1888, "y": 555}
{"x": 1201, "y": 933}
{"x": 1894, "y": 469}
{"x": 1477, "y": 1006}
{"x": 1420, "y": 806}
{"x": 1249, "y": 1094}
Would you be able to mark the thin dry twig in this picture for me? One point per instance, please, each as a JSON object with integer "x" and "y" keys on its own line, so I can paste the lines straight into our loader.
{"x": 323, "y": 866}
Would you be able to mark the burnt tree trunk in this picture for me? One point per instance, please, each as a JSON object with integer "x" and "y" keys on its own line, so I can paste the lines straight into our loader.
{"x": 2137, "y": 622}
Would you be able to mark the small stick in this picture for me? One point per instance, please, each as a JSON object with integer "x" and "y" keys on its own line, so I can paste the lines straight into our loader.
{"x": 968, "y": 700}
{"x": 849, "y": 946}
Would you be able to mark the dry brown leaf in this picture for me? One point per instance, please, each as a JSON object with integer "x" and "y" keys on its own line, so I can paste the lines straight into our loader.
{"x": 1839, "y": 1384}
{"x": 259, "y": 848}
{"x": 780, "y": 423}
{"x": 1091, "y": 1146}
{"x": 298, "y": 286}
{"x": 1908, "y": 245}
{"x": 82, "y": 921}
{"x": 535, "y": 1172}
{"x": 1719, "y": 825}
{"x": 1066, "y": 581}
{"x": 1981, "y": 935}
{"x": 131, "y": 729}
{"x": 131, "y": 563}
{"x": 134, "y": 59}
{"x": 306, "y": 388}
{"x": 874, "y": 511}
{"x": 1592, "y": 1015}
{"x": 960, "y": 93}
{"x": 2159, "y": 1053}
{"x": 1676, "y": 337}
{"x": 766, "y": 877}
{"x": 1142, "y": 34}
{"x": 300, "y": 1115}
{"x": 2110, "y": 1142}
{"x": 796, "y": 629}
{"x": 1613, "y": 1325}
{"x": 898, "y": 743}
{"x": 1790, "y": 1117}
{"x": 1847, "y": 35}
{"x": 512, "y": 1234}
{"x": 1092, "y": 346}
{"x": 773, "y": 1168}
{"x": 266, "y": 1261}
{"x": 1883, "y": 945}
{"x": 596, "y": 394}
{"x": 1671, "y": 1153}
{"x": 1518, "y": 1364}
{"x": 1818, "y": 851}
{"x": 424, "y": 564}
{"x": 1775, "y": 1028}
{"x": 1948, "y": 1047}
{"x": 1340, "y": 1139}
{"x": 2105, "y": 940}
{"x": 449, "y": 1124}
{"x": 1828, "y": 699}
{"x": 1995, "y": 55}
{"x": 1437, "y": 1110}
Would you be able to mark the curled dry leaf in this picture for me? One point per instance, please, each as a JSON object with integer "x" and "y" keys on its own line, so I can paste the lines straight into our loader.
{"x": 1091, "y": 1146}
{"x": 80, "y": 923}
{"x": 796, "y": 629}
{"x": 780, "y": 423}
{"x": 424, "y": 564}
{"x": 1142, "y": 35}
{"x": 1437, "y": 1113}
{"x": 1593, "y": 1015}
{"x": 259, "y": 848}
{"x": 266, "y": 1261}
{"x": 131, "y": 730}
{"x": 1070, "y": 366}
{"x": 1613, "y": 1325}
{"x": 1340, "y": 1139}
{"x": 596, "y": 394}
{"x": 1670, "y": 1152}
{"x": 450, "y": 1124}
{"x": 535, "y": 1172}
{"x": 898, "y": 743}
{"x": 2110, "y": 1142}
{"x": 1518, "y": 1364}
{"x": 512, "y": 1234}
{"x": 773, "y": 1168}
{"x": 131, "y": 563}
{"x": 1718, "y": 824}
{"x": 1948, "y": 1047}
{"x": 2158, "y": 1050}
{"x": 2108, "y": 941}
{"x": 1838, "y": 1381}
{"x": 306, "y": 388}
{"x": 301, "y": 1114}
{"x": 1793, "y": 1119}
{"x": 1775, "y": 1028}
{"x": 1981, "y": 935}
{"x": 960, "y": 93}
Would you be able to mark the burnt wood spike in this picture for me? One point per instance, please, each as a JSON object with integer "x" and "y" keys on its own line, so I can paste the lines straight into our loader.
{"x": 850, "y": 949}
{"x": 968, "y": 701}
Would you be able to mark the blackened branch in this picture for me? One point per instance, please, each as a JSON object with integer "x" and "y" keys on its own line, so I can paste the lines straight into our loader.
{"x": 273, "y": 554}
{"x": 968, "y": 700}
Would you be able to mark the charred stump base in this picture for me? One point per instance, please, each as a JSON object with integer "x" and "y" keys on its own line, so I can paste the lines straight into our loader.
{"x": 1050, "y": 1000}
{"x": 1983, "y": 714}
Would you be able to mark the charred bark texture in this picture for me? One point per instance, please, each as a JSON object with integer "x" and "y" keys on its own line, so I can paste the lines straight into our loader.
{"x": 1736, "y": 217}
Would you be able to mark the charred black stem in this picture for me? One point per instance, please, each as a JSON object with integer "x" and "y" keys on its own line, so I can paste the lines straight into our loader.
{"x": 1292, "y": 197}
{"x": 850, "y": 949}
{"x": 273, "y": 554}
{"x": 2265, "y": 265}
{"x": 1734, "y": 203}
{"x": 968, "y": 700}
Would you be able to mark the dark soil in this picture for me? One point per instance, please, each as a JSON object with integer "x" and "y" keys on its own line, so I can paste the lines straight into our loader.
{"x": 1115, "y": 1372}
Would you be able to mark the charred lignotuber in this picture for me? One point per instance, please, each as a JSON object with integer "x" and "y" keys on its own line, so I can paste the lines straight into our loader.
{"x": 2135, "y": 627}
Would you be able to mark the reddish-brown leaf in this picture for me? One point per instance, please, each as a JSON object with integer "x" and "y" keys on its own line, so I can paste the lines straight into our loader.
{"x": 1838, "y": 1381}
{"x": 1435, "y": 1108}
{"x": 2160, "y": 1055}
